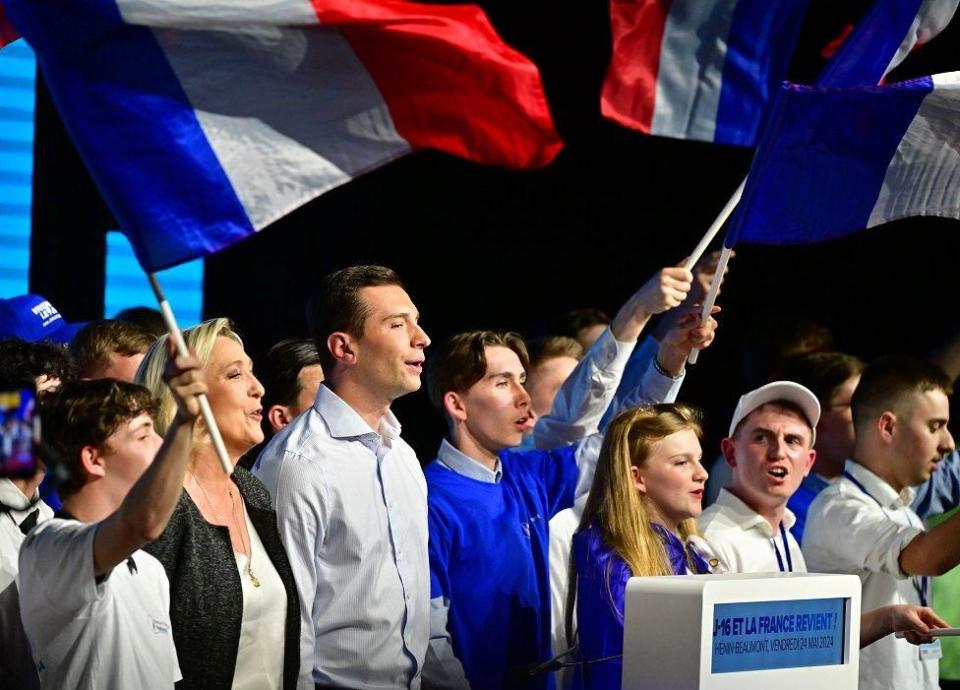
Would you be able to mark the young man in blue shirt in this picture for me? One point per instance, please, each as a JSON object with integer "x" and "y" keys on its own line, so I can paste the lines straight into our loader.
{"x": 488, "y": 509}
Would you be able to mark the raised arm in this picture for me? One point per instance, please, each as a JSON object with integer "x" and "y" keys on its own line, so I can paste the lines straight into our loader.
{"x": 664, "y": 370}
{"x": 147, "y": 508}
{"x": 588, "y": 391}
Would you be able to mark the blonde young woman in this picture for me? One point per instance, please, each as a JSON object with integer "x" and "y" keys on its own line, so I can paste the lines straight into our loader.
{"x": 638, "y": 520}
{"x": 233, "y": 600}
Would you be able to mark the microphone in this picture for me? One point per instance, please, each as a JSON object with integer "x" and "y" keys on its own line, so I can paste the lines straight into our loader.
{"x": 526, "y": 672}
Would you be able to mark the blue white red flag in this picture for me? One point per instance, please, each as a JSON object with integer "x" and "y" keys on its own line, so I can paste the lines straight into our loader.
{"x": 698, "y": 69}
{"x": 203, "y": 121}
{"x": 883, "y": 38}
{"x": 834, "y": 161}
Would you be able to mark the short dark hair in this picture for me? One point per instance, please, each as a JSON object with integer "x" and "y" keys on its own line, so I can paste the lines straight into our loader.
{"x": 822, "y": 372}
{"x": 551, "y": 347}
{"x": 20, "y": 359}
{"x": 337, "y": 305}
{"x": 148, "y": 319}
{"x": 87, "y": 413}
{"x": 279, "y": 370}
{"x": 93, "y": 344}
{"x": 570, "y": 323}
{"x": 888, "y": 380}
{"x": 462, "y": 361}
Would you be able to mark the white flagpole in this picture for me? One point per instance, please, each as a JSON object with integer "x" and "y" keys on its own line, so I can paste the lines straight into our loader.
{"x": 171, "y": 321}
{"x": 711, "y": 297}
{"x": 698, "y": 251}
{"x": 712, "y": 232}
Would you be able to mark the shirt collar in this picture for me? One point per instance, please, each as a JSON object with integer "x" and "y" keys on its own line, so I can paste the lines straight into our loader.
{"x": 343, "y": 421}
{"x": 878, "y": 489}
{"x": 748, "y": 518}
{"x": 454, "y": 460}
{"x": 13, "y": 498}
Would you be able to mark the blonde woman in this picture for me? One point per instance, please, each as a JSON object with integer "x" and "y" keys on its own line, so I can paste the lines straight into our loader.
{"x": 233, "y": 600}
{"x": 639, "y": 520}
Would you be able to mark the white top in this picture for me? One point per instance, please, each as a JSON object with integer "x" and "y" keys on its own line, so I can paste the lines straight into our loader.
{"x": 260, "y": 652}
{"x": 849, "y": 532}
{"x": 352, "y": 512}
{"x": 745, "y": 542}
{"x": 16, "y": 663}
{"x": 562, "y": 527}
{"x": 114, "y": 635}
{"x": 11, "y": 537}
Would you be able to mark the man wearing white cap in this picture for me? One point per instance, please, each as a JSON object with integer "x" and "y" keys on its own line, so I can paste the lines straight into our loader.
{"x": 770, "y": 451}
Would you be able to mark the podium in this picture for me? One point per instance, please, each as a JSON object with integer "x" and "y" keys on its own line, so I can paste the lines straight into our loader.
{"x": 758, "y": 631}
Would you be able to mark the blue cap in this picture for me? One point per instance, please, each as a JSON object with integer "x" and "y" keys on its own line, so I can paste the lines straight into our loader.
{"x": 33, "y": 318}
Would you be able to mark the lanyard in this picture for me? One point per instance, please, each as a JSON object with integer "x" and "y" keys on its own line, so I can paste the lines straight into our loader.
{"x": 919, "y": 583}
{"x": 786, "y": 548}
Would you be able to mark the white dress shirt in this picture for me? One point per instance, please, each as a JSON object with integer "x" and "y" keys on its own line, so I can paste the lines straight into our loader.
{"x": 352, "y": 510}
{"x": 862, "y": 531}
{"x": 745, "y": 542}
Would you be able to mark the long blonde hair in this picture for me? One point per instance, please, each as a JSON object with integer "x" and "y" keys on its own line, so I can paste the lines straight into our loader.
{"x": 620, "y": 511}
{"x": 199, "y": 338}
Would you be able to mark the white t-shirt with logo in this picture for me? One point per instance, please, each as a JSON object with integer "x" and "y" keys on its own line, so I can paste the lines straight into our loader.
{"x": 115, "y": 634}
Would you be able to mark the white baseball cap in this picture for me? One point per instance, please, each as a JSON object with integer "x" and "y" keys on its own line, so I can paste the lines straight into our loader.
{"x": 801, "y": 396}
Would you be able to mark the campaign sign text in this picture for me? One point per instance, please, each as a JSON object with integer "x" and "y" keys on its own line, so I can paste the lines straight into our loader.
{"x": 760, "y": 635}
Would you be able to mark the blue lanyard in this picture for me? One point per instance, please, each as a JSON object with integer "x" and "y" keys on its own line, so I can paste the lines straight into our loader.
{"x": 786, "y": 548}
{"x": 919, "y": 583}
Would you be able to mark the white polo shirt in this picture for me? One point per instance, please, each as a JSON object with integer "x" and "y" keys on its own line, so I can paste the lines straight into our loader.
{"x": 745, "y": 542}
{"x": 113, "y": 635}
{"x": 860, "y": 526}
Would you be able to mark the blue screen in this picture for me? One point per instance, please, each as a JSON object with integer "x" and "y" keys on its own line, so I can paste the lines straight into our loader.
{"x": 761, "y": 635}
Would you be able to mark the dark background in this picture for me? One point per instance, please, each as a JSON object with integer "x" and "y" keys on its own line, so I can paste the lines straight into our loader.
{"x": 481, "y": 247}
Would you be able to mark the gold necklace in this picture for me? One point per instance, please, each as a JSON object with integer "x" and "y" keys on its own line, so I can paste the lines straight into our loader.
{"x": 233, "y": 511}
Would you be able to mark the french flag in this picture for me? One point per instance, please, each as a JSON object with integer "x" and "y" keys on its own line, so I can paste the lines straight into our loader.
{"x": 204, "y": 121}
{"x": 698, "y": 69}
{"x": 834, "y": 161}
{"x": 883, "y": 38}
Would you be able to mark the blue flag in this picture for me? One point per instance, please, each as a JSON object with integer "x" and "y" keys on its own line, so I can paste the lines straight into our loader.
{"x": 834, "y": 161}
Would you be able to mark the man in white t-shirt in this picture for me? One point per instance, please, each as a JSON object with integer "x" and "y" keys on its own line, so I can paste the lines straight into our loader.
{"x": 95, "y": 607}
{"x": 863, "y": 522}
{"x": 770, "y": 451}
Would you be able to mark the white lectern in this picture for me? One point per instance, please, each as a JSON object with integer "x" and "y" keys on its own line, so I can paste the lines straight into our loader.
{"x": 767, "y": 631}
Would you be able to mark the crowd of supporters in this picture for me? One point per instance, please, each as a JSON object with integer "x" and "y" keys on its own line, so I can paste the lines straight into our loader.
{"x": 333, "y": 557}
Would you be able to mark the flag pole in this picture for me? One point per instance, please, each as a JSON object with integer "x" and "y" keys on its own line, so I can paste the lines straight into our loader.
{"x": 698, "y": 251}
{"x": 711, "y": 233}
{"x": 711, "y": 297}
{"x": 171, "y": 321}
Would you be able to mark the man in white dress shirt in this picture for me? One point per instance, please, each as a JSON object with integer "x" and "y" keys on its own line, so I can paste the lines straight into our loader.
{"x": 863, "y": 522}
{"x": 770, "y": 451}
{"x": 349, "y": 493}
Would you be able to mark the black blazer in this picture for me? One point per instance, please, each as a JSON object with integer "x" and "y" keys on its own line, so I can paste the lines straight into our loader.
{"x": 206, "y": 599}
